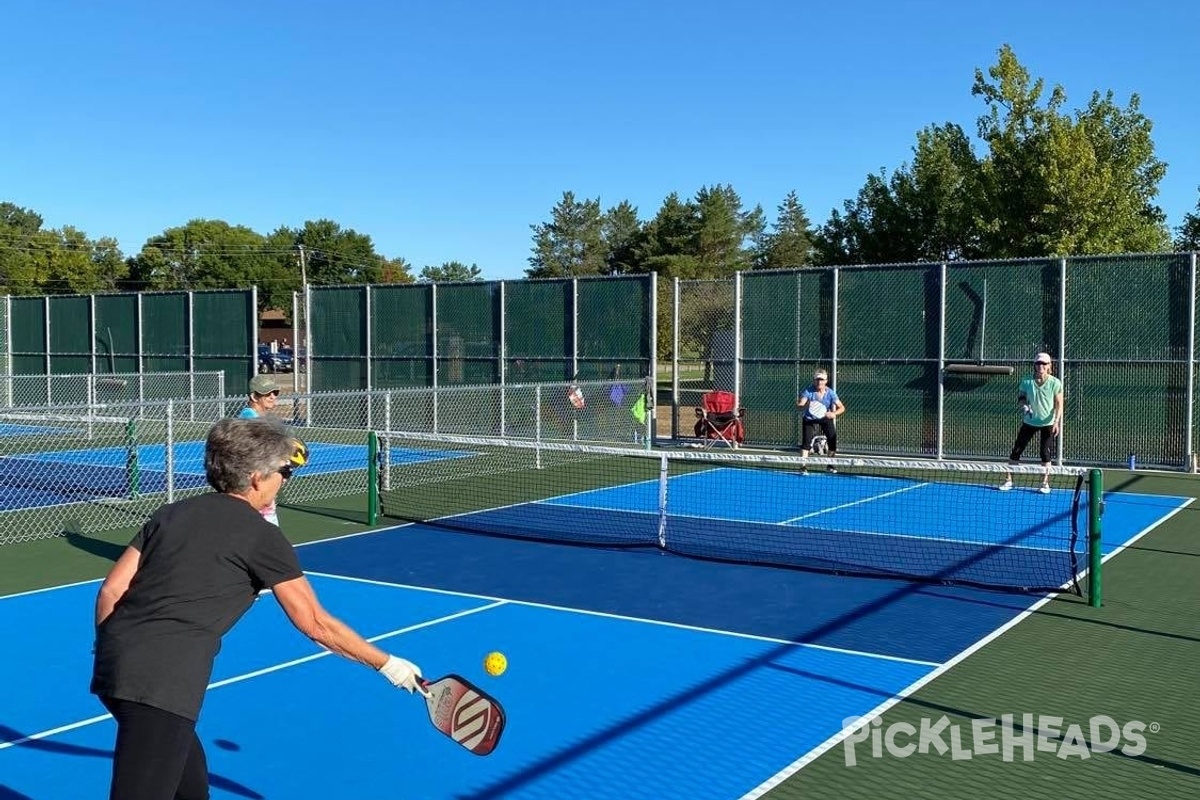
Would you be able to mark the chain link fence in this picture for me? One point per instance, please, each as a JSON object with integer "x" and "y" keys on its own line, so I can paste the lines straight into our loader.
{"x": 83, "y": 469}
{"x": 927, "y": 357}
{"x": 99, "y": 390}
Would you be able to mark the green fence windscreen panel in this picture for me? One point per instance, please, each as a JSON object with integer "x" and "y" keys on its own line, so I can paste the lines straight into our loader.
{"x": 116, "y": 334}
{"x": 538, "y": 319}
{"x": 222, "y": 326}
{"x": 29, "y": 345}
{"x": 401, "y": 336}
{"x": 468, "y": 331}
{"x": 901, "y": 301}
{"x": 165, "y": 324}
{"x": 1001, "y": 312}
{"x": 338, "y": 321}
{"x": 70, "y": 335}
{"x": 614, "y": 327}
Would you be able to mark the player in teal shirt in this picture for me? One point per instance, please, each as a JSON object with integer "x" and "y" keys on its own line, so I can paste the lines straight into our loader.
{"x": 1040, "y": 397}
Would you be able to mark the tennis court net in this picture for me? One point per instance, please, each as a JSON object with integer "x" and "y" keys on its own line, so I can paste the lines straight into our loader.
{"x": 946, "y": 522}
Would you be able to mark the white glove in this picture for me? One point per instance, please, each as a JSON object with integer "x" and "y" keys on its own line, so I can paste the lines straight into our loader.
{"x": 402, "y": 674}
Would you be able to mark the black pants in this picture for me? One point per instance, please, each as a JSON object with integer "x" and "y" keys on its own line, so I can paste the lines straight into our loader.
{"x": 818, "y": 427}
{"x": 158, "y": 755}
{"x": 1025, "y": 436}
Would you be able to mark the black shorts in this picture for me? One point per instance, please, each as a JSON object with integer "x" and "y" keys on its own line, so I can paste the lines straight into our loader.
{"x": 820, "y": 427}
{"x": 1047, "y": 445}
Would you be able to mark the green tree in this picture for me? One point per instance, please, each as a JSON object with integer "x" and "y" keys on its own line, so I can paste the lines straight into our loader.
{"x": 1056, "y": 184}
{"x": 790, "y": 242}
{"x": 337, "y": 255}
{"x": 571, "y": 243}
{"x": 723, "y": 231}
{"x": 19, "y": 228}
{"x": 669, "y": 241}
{"x": 623, "y": 235}
{"x": 925, "y": 211}
{"x": 1188, "y": 235}
{"x": 396, "y": 270}
{"x": 203, "y": 254}
{"x": 451, "y": 272}
{"x": 1049, "y": 183}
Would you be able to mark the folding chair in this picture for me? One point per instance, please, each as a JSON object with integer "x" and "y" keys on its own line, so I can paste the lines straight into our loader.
{"x": 718, "y": 420}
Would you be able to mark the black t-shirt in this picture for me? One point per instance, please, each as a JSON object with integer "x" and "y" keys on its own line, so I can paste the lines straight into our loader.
{"x": 203, "y": 560}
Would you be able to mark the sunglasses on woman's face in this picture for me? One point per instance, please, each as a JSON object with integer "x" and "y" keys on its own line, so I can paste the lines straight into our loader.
{"x": 286, "y": 471}
{"x": 1041, "y": 363}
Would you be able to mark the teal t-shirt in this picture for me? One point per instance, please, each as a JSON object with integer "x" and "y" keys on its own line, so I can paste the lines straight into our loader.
{"x": 248, "y": 413}
{"x": 1040, "y": 399}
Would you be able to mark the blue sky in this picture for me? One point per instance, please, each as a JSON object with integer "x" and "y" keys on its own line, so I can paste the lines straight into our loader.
{"x": 445, "y": 129}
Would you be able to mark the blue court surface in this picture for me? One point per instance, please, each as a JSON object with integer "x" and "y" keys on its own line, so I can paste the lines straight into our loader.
{"x": 59, "y": 477}
{"x": 632, "y": 674}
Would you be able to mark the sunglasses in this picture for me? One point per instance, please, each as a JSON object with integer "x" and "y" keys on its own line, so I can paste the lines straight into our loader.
{"x": 273, "y": 393}
{"x": 1041, "y": 363}
{"x": 286, "y": 471}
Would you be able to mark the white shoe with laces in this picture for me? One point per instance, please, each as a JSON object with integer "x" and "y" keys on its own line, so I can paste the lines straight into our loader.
{"x": 1007, "y": 485}
{"x": 1045, "y": 488}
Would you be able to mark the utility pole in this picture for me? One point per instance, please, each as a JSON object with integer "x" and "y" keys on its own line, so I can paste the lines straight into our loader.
{"x": 303, "y": 266}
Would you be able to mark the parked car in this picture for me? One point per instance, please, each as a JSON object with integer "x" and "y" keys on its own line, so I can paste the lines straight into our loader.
{"x": 280, "y": 360}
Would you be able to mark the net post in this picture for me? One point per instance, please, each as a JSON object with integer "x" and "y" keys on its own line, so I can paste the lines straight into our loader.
{"x": 663, "y": 474}
{"x": 1095, "y": 560}
{"x": 372, "y": 477}
{"x": 131, "y": 457}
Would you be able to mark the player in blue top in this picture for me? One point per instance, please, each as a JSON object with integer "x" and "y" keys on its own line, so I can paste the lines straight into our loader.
{"x": 264, "y": 394}
{"x": 1040, "y": 398}
{"x": 821, "y": 406}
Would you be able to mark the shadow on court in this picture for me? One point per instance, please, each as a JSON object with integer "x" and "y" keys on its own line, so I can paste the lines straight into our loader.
{"x": 8, "y": 734}
{"x": 97, "y": 547}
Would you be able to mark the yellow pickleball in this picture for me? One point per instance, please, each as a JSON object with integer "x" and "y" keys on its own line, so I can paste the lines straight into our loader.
{"x": 495, "y": 663}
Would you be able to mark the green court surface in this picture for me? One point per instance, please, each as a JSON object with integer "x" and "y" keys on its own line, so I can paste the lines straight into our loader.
{"x": 1137, "y": 659}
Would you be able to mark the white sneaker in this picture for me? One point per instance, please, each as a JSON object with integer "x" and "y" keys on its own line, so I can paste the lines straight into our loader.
{"x": 1004, "y": 487}
{"x": 1045, "y": 489}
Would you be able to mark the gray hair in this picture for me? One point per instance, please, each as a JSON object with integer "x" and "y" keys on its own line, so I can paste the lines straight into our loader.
{"x": 240, "y": 448}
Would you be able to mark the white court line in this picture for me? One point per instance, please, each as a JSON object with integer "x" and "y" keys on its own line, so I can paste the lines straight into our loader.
{"x": 871, "y": 499}
{"x": 623, "y": 617}
{"x": 257, "y": 673}
{"x": 834, "y": 740}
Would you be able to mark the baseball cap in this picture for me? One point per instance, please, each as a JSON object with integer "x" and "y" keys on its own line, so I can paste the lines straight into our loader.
{"x": 263, "y": 384}
{"x": 1043, "y": 357}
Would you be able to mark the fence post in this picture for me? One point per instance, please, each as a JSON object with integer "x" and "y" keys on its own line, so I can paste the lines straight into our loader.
{"x": 653, "y": 432}
{"x": 501, "y": 357}
{"x": 433, "y": 349}
{"x": 574, "y": 351}
{"x": 941, "y": 387}
{"x": 169, "y": 450}
{"x": 737, "y": 340}
{"x": 1062, "y": 346}
{"x": 370, "y": 383}
{"x": 1190, "y": 431}
{"x": 835, "y": 322}
{"x": 674, "y": 357}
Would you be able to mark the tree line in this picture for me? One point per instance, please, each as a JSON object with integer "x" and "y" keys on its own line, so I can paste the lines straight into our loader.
{"x": 1038, "y": 180}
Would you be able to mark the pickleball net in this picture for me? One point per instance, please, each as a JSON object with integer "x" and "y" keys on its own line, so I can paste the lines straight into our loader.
{"x": 46, "y": 459}
{"x": 944, "y": 522}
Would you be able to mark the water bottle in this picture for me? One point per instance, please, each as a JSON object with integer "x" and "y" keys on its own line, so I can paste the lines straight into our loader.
{"x": 1132, "y": 462}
